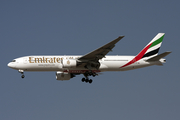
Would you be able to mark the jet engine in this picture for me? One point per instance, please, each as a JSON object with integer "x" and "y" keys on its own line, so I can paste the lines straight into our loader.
{"x": 69, "y": 63}
{"x": 63, "y": 76}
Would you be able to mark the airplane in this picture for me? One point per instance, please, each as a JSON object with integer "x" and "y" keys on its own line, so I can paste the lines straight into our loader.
{"x": 93, "y": 63}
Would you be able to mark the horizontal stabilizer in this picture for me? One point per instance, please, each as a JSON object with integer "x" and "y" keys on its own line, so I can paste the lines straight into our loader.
{"x": 158, "y": 57}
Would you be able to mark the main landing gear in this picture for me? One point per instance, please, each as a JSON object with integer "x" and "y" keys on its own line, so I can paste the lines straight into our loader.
{"x": 22, "y": 72}
{"x": 86, "y": 79}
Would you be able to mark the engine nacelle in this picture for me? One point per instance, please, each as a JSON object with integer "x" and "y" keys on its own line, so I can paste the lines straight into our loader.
{"x": 63, "y": 76}
{"x": 69, "y": 63}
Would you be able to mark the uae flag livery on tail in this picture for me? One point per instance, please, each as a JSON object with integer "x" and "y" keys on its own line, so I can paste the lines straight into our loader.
{"x": 150, "y": 50}
{"x": 154, "y": 46}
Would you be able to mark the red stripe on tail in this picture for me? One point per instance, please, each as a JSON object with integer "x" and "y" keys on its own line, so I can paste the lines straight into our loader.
{"x": 138, "y": 57}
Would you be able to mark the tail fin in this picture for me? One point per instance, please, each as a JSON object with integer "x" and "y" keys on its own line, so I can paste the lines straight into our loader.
{"x": 152, "y": 48}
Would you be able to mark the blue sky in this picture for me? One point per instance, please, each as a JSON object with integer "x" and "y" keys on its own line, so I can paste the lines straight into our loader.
{"x": 75, "y": 28}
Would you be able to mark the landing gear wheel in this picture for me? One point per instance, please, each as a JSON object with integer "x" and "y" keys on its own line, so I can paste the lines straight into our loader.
{"x": 22, "y": 76}
{"x": 87, "y": 80}
{"x": 90, "y": 81}
{"x": 86, "y": 76}
{"x": 83, "y": 79}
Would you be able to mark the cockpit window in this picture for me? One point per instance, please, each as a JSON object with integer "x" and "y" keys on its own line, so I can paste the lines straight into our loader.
{"x": 14, "y": 61}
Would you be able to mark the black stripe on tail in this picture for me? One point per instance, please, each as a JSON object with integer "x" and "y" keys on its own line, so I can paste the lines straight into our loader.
{"x": 151, "y": 53}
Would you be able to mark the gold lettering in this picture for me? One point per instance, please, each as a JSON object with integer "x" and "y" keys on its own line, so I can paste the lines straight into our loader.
{"x": 58, "y": 60}
{"x": 38, "y": 60}
{"x": 51, "y": 60}
{"x": 43, "y": 60}
{"x": 30, "y": 58}
{"x": 54, "y": 59}
{"x": 46, "y": 60}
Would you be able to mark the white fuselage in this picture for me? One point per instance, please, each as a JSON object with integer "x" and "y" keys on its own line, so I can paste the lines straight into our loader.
{"x": 54, "y": 63}
{"x": 92, "y": 63}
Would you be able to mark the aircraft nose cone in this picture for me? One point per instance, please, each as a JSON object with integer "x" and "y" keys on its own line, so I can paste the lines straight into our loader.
{"x": 11, "y": 65}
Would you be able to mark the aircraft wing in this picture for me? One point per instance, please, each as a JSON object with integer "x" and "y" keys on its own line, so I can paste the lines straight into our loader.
{"x": 100, "y": 52}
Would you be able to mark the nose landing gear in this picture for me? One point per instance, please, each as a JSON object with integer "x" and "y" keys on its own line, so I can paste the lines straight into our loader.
{"x": 22, "y": 76}
{"x": 22, "y": 72}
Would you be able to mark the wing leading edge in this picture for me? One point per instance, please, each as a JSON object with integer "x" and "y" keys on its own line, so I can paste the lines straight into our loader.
{"x": 100, "y": 52}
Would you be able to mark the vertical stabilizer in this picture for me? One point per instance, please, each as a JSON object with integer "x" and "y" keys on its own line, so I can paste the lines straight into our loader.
{"x": 153, "y": 46}
{"x": 150, "y": 50}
